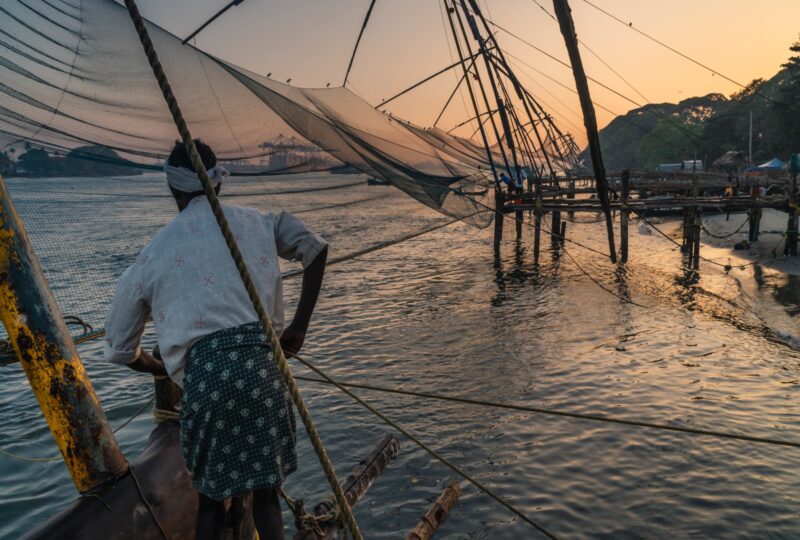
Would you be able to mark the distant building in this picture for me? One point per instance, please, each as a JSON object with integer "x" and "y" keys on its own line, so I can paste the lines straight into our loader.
{"x": 669, "y": 167}
{"x": 690, "y": 165}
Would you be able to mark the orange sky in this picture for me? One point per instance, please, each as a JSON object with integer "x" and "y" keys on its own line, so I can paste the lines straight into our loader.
{"x": 310, "y": 41}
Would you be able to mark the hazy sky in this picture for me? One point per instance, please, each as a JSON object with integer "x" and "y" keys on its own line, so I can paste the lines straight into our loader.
{"x": 310, "y": 41}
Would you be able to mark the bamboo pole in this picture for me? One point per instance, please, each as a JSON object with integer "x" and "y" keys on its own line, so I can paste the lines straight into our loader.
{"x": 436, "y": 514}
{"x": 47, "y": 354}
{"x": 564, "y": 15}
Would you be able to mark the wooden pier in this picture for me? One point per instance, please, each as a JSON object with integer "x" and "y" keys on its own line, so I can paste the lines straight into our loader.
{"x": 645, "y": 194}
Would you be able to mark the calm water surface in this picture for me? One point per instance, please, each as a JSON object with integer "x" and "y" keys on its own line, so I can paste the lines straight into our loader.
{"x": 439, "y": 313}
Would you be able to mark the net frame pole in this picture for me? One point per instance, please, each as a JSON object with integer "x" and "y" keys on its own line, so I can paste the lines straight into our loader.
{"x": 47, "y": 354}
{"x": 358, "y": 42}
{"x": 567, "y": 25}
{"x": 213, "y": 18}
{"x": 249, "y": 284}
{"x": 501, "y": 107}
{"x": 472, "y": 97}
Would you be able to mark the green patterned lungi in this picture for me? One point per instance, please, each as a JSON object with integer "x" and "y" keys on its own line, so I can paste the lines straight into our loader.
{"x": 238, "y": 430}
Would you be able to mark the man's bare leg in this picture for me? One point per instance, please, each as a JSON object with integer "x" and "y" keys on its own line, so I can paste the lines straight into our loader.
{"x": 210, "y": 519}
{"x": 267, "y": 514}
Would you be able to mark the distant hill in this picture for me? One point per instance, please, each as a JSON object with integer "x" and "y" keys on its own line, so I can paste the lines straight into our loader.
{"x": 709, "y": 126}
{"x": 87, "y": 161}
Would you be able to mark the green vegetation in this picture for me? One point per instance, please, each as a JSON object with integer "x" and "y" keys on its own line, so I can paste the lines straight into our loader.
{"x": 709, "y": 126}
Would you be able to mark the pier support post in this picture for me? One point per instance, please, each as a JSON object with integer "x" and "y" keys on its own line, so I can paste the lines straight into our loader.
{"x": 537, "y": 229}
{"x": 555, "y": 227}
{"x": 47, "y": 354}
{"x": 563, "y": 234}
{"x": 623, "y": 216}
{"x": 696, "y": 240}
{"x": 791, "y": 226}
{"x": 570, "y": 193}
{"x": 498, "y": 218}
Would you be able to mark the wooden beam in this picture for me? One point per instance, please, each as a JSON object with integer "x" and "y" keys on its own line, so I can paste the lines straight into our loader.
{"x": 564, "y": 15}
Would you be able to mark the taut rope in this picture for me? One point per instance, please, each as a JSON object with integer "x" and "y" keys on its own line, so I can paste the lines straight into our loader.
{"x": 244, "y": 273}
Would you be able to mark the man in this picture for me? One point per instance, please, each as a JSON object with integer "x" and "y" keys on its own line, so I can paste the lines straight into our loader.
{"x": 237, "y": 421}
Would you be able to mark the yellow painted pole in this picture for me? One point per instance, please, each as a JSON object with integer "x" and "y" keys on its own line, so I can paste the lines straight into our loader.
{"x": 48, "y": 356}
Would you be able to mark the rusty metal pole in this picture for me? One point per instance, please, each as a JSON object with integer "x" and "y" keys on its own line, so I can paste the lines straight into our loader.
{"x": 47, "y": 354}
{"x": 567, "y": 25}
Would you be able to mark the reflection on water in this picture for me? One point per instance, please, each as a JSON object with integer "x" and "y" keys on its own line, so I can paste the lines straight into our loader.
{"x": 441, "y": 313}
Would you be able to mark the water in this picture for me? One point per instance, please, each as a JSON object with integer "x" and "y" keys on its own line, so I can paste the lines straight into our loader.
{"x": 439, "y": 313}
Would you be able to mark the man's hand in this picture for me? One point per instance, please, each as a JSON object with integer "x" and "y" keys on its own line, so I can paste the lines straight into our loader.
{"x": 147, "y": 363}
{"x": 295, "y": 334}
{"x": 292, "y": 339}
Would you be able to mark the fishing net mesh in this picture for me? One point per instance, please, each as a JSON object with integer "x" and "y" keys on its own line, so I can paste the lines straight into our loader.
{"x": 74, "y": 82}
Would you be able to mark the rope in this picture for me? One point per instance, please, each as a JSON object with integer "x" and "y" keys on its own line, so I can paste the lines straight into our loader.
{"x": 306, "y": 521}
{"x": 568, "y": 414}
{"x": 244, "y": 273}
{"x": 56, "y": 458}
{"x": 709, "y": 233}
{"x": 163, "y": 415}
{"x": 377, "y": 247}
{"x": 147, "y": 503}
{"x": 433, "y": 453}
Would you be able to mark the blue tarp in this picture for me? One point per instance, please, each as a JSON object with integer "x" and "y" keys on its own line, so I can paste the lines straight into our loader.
{"x": 772, "y": 165}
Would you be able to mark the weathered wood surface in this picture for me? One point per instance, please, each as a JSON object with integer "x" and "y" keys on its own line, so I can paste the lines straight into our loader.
{"x": 437, "y": 513}
{"x": 354, "y": 486}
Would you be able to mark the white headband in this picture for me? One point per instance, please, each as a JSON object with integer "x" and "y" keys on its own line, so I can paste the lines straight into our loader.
{"x": 186, "y": 180}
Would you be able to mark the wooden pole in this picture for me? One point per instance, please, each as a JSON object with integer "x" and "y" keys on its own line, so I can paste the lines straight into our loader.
{"x": 694, "y": 229}
{"x": 623, "y": 216}
{"x": 567, "y": 25}
{"x": 791, "y": 227}
{"x": 563, "y": 235}
{"x": 436, "y": 514}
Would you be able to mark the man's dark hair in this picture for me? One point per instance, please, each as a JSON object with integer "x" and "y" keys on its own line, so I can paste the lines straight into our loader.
{"x": 179, "y": 157}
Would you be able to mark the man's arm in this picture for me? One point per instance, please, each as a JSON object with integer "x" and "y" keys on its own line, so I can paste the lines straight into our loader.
{"x": 294, "y": 335}
{"x": 149, "y": 363}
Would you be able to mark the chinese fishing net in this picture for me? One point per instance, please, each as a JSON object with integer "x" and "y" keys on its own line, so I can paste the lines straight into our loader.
{"x": 77, "y": 95}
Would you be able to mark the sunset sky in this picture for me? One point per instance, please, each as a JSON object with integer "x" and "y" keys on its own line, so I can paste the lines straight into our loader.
{"x": 310, "y": 42}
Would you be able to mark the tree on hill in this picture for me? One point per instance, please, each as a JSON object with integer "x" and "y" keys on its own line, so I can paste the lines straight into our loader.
{"x": 788, "y": 104}
{"x": 709, "y": 126}
{"x": 96, "y": 160}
